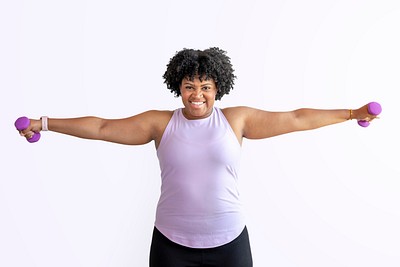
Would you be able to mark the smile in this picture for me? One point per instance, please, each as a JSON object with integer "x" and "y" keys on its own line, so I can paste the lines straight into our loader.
{"x": 197, "y": 103}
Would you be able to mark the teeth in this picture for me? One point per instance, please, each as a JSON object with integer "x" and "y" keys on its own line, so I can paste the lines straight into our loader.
{"x": 197, "y": 103}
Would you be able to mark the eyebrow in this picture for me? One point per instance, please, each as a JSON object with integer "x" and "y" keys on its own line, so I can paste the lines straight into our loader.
{"x": 192, "y": 83}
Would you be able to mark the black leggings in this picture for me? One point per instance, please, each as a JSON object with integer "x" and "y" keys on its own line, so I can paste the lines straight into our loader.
{"x": 165, "y": 253}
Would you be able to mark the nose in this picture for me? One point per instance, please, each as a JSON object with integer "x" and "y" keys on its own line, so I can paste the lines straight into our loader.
{"x": 198, "y": 93}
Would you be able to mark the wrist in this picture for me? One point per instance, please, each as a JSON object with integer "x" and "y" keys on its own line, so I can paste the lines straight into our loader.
{"x": 45, "y": 123}
{"x": 351, "y": 115}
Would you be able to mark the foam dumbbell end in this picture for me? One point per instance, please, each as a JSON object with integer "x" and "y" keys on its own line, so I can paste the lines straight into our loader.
{"x": 21, "y": 124}
{"x": 374, "y": 108}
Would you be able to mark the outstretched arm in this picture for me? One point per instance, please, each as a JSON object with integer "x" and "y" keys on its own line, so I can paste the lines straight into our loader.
{"x": 135, "y": 130}
{"x": 257, "y": 124}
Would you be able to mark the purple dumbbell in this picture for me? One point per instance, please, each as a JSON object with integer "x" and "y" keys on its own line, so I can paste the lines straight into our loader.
{"x": 374, "y": 108}
{"x": 21, "y": 124}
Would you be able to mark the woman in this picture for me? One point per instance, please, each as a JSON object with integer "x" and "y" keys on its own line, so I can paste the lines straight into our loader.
{"x": 199, "y": 219}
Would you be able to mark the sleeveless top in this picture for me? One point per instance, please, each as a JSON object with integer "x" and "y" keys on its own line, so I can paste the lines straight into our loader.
{"x": 199, "y": 205}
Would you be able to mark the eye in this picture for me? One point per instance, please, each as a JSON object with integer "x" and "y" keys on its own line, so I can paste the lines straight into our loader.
{"x": 188, "y": 87}
{"x": 206, "y": 88}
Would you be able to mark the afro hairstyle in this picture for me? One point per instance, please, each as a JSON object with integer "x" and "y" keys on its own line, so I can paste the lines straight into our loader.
{"x": 212, "y": 63}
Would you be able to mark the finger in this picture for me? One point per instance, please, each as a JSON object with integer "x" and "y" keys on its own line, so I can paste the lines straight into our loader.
{"x": 371, "y": 118}
{"x": 27, "y": 130}
{"x": 27, "y": 134}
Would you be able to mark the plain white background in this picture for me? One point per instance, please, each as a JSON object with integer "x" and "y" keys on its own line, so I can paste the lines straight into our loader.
{"x": 328, "y": 197}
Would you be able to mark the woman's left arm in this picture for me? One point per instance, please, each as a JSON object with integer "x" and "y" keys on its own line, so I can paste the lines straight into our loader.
{"x": 258, "y": 124}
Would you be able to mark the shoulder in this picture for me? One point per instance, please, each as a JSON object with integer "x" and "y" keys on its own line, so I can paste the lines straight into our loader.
{"x": 236, "y": 117}
{"x": 236, "y": 113}
{"x": 241, "y": 117}
{"x": 159, "y": 114}
{"x": 151, "y": 120}
{"x": 243, "y": 112}
{"x": 157, "y": 121}
{"x": 158, "y": 118}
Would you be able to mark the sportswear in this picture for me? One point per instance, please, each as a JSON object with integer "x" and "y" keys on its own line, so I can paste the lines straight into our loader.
{"x": 199, "y": 205}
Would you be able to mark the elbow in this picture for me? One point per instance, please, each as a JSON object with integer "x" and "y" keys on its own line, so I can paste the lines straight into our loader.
{"x": 302, "y": 121}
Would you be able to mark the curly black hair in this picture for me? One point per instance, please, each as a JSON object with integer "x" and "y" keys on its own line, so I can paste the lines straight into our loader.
{"x": 212, "y": 63}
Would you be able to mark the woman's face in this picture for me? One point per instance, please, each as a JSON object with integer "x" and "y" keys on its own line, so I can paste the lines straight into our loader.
{"x": 198, "y": 97}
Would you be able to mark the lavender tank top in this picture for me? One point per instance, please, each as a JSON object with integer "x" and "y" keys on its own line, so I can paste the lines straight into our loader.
{"x": 199, "y": 206}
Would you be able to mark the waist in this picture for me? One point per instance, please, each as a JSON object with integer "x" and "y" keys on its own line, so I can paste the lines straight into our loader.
{"x": 200, "y": 231}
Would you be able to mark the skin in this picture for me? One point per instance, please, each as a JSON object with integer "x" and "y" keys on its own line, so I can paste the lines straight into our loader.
{"x": 198, "y": 98}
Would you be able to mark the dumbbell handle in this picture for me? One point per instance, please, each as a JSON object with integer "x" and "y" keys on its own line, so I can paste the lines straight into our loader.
{"x": 21, "y": 124}
{"x": 374, "y": 108}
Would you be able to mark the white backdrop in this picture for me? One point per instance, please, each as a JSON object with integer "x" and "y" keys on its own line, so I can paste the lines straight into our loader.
{"x": 328, "y": 197}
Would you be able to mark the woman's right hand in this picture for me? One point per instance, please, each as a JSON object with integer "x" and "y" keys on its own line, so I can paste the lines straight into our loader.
{"x": 35, "y": 126}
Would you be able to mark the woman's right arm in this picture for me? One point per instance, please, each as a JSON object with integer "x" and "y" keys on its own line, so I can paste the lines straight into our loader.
{"x": 136, "y": 130}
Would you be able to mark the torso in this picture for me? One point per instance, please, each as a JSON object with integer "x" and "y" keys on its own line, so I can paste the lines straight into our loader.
{"x": 199, "y": 205}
